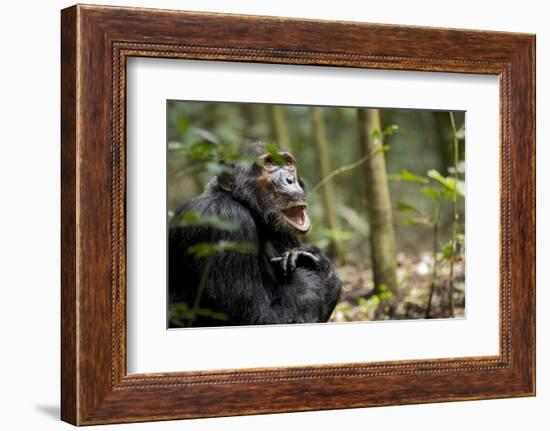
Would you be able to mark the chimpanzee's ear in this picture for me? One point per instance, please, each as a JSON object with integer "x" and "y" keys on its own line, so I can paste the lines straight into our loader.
{"x": 226, "y": 181}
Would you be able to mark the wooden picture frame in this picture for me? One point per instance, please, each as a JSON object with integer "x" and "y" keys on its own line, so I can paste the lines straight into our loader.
{"x": 95, "y": 43}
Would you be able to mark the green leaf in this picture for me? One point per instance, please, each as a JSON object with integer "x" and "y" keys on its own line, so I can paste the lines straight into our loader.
{"x": 432, "y": 193}
{"x": 205, "y": 249}
{"x": 447, "y": 250}
{"x": 434, "y": 174}
{"x": 193, "y": 218}
{"x": 418, "y": 220}
{"x": 201, "y": 150}
{"x": 202, "y": 249}
{"x": 448, "y": 194}
{"x": 408, "y": 176}
{"x": 390, "y": 130}
{"x": 212, "y": 314}
{"x": 449, "y": 182}
{"x": 403, "y": 207}
{"x": 368, "y": 304}
{"x": 382, "y": 149}
{"x": 376, "y": 135}
{"x": 386, "y": 296}
{"x": 383, "y": 287}
{"x": 273, "y": 151}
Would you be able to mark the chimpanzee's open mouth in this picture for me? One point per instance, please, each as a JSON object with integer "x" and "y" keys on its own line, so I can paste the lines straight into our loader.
{"x": 296, "y": 216}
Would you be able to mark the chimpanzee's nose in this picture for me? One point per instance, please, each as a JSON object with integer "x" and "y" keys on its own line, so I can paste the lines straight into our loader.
{"x": 289, "y": 186}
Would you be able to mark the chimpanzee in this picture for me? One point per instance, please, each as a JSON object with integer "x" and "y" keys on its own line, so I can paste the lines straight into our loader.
{"x": 277, "y": 280}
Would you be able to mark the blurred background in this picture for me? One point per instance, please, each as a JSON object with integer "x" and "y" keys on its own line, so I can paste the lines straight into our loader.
{"x": 386, "y": 193}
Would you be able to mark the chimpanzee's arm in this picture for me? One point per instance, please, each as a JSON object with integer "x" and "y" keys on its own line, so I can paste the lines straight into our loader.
{"x": 240, "y": 285}
{"x": 244, "y": 286}
{"x": 310, "y": 276}
{"x": 306, "y": 295}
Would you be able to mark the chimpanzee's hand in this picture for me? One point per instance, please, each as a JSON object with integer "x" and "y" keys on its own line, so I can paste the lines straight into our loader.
{"x": 296, "y": 257}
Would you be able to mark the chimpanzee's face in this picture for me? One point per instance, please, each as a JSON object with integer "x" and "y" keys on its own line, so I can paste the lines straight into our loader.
{"x": 282, "y": 192}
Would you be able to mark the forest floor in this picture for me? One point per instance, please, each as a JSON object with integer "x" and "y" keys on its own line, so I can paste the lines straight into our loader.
{"x": 414, "y": 273}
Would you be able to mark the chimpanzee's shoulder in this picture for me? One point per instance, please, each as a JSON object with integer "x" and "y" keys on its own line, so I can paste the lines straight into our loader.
{"x": 223, "y": 205}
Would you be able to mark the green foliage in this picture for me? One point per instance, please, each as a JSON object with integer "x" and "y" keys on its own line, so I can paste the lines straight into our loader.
{"x": 273, "y": 152}
{"x": 423, "y": 220}
{"x": 390, "y": 130}
{"x": 447, "y": 252}
{"x": 432, "y": 193}
{"x": 382, "y": 149}
{"x": 205, "y": 249}
{"x": 383, "y": 292}
{"x": 369, "y": 304}
{"x": 448, "y": 182}
{"x": 403, "y": 207}
{"x": 207, "y": 139}
{"x": 408, "y": 176}
{"x": 193, "y": 218}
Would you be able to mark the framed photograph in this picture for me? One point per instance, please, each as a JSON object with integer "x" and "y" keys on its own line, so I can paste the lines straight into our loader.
{"x": 264, "y": 214}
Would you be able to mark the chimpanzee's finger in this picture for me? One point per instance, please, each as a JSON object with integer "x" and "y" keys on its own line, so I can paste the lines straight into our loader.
{"x": 311, "y": 256}
{"x": 292, "y": 260}
{"x": 284, "y": 262}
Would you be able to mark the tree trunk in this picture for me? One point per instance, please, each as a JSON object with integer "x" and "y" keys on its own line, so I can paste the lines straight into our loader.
{"x": 336, "y": 248}
{"x": 256, "y": 121}
{"x": 382, "y": 238}
{"x": 280, "y": 128}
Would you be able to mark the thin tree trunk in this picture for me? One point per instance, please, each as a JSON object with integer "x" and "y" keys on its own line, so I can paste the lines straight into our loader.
{"x": 256, "y": 121}
{"x": 437, "y": 215}
{"x": 455, "y": 217}
{"x": 382, "y": 238}
{"x": 336, "y": 248}
{"x": 280, "y": 128}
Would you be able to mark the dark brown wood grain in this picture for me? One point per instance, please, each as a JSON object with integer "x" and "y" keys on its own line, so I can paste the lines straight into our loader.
{"x": 68, "y": 217}
{"x": 95, "y": 42}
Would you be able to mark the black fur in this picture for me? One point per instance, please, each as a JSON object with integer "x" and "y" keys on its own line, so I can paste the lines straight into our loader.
{"x": 248, "y": 288}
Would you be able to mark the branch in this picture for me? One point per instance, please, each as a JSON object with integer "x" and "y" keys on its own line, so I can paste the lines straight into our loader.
{"x": 340, "y": 170}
